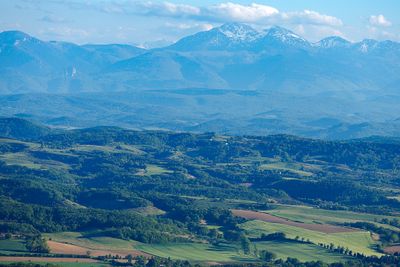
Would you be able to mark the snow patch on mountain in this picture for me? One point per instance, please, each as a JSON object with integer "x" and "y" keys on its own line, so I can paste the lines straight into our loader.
{"x": 239, "y": 32}
{"x": 332, "y": 42}
{"x": 367, "y": 45}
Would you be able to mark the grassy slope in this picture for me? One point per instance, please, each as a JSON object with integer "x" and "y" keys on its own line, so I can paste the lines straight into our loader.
{"x": 152, "y": 169}
{"x": 98, "y": 242}
{"x": 68, "y": 264}
{"x": 284, "y": 166}
{"x": 315, "y": 215}
{"x": 17, "y": 246}
{"x": 356, "y": 241}
{"x": 200, "y": 252}
{"x": 12, "y": 246}
{"x": 195, "y": 252}
{"x": 303, "y": 252}
{"x": 192, "y": 251}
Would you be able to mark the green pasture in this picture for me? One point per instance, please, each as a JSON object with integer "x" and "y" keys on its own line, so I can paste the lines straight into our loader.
{"x": 360, "y": 242}
{"x": 314, "y": 215}
{"x": 301, "y": 251}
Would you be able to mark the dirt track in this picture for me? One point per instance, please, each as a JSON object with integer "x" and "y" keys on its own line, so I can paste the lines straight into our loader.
{"x": 63, "y": 248}
{"x": 324, "y": 228}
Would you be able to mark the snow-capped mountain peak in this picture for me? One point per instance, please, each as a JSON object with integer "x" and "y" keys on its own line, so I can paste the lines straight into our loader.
{"x": 14, "y": 37}
{"x": 238, "y": 32}
{"x": 283, "y": 34}
{"x": 332, "y": 42}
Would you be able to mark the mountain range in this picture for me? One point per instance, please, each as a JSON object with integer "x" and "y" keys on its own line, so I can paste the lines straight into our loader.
{"x": 231, "y": 78}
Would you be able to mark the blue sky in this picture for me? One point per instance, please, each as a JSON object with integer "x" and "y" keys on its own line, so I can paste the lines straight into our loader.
{"x": 155, "y": 23}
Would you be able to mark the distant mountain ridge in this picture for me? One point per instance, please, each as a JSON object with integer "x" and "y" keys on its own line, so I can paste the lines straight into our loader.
{"x": 278, "y": 59}
{"x": 28, "y": 64}
{"x": 231, "y": 79}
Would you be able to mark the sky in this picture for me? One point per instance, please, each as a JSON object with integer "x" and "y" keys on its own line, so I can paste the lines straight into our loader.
{"x": 157, "y": 23}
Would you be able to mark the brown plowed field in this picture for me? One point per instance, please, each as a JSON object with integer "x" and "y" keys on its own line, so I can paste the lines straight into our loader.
{"x": 324, "y": 228}
{"x": 63, "y": 248}
{"x": 392, "y": 249}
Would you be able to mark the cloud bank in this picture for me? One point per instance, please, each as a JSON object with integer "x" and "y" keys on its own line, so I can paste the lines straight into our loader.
{"x": 379, "y": 21}
{"x": 227, "y": 12}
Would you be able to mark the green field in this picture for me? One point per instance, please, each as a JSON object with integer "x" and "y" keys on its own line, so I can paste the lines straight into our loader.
{"x": 12, "y": 246}
{"x": 187, "y": 251}
{"x": 25, "y": 160}
{"x": 96, "y": 242}
{"x": 356, "y": 241}
{"x": 184, "y": 251}
{"x": 226, "y": 253}
{"x": 67, "y": 264}
{"x": 301, "y": 251}
{"x": 196, "y": 252}
{"x": 286, "y": 166}
{"x": 302, "y": 169}
{"x": 155, "y": 170}
{"x": 17, "y": 246}
{"x": 314, "y": 215}
{"x": 202, "y": 251}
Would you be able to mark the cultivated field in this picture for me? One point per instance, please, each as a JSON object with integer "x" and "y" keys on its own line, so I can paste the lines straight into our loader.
{"x": 63, "y": 248}
{"x": 45, "y": 259}
{"x": 63, "y": 262}
{"x": 301, "y": 251}
{"x": 323, "y": 228}
{"x": 392, "y": 249}
{"x": 196, "y": 252}
{"x": 314, "y": 215}
{"x": 360, "y": 241}
{"x": 12, "y": 246}
{"x": 75, "y": 244}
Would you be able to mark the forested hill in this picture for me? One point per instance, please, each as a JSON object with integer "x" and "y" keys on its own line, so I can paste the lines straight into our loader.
{"x": 118, "y": 177}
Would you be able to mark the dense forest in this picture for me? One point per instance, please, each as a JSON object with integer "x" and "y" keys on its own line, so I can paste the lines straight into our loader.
{"x": 106, "y": 179}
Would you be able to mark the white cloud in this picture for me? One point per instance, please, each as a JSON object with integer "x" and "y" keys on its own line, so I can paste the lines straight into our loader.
{"x": 380, "y": 34}
{"x": 314, "y": 33}
{"x": 167, "y": 9}
{"x": 311, "y": 17}
{"x": 222, "y": 12}
{"x": 379, "y": 21}
{"x": 187, "y": 18}
{"x": 229, "y": 11}
{"x": 190, "y": 26}
{"x": 236, "y": 12}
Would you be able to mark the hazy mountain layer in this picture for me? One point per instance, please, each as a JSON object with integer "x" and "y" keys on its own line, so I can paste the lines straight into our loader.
{"x": 230, "y": 79}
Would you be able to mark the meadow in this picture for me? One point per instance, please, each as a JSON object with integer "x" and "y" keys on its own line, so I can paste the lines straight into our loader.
{"x": 307, "y": 214}
{"x": 360, "y": 242}
{"x": 301, "y": 251}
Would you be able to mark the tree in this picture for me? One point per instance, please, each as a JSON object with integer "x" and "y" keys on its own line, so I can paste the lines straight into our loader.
{"x": 129, "y": 258}
{"x": 245, "y": 244}
{"x": 255, "y": 250}
{"x": 140, "y": 261}
{"x": 267, "y": 256}
{"x": 153, "y": 262}
{"x": 37, "y": 244}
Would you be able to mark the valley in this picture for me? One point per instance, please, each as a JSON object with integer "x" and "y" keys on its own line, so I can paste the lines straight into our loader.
{"x": 199, "y": 133}
{"x": 106, "y": 194}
